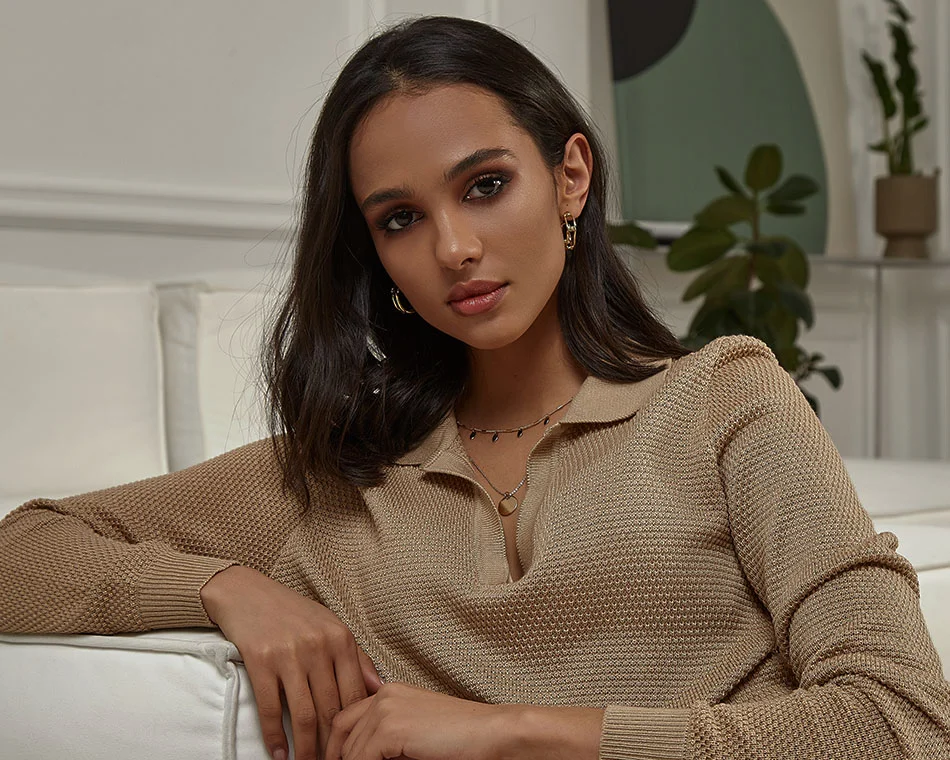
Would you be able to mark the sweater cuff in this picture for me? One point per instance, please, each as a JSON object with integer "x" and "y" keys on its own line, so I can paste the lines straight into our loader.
{"x": 168, "y": 590}
{"x": 643, "y": 733}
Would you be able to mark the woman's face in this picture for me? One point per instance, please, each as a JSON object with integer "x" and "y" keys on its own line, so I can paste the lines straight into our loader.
{"x": 465, "y": 215}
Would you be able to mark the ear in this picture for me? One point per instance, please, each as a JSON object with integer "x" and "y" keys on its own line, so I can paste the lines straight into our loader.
{"x": 573, "y": 175}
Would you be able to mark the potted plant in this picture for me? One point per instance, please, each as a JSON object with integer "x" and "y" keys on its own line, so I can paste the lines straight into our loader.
{"x": 754, "y": 284}
{"x": 905, "y": 200}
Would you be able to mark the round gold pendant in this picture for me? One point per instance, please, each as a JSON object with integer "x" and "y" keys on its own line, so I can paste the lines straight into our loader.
{"x": 507, "y": 505}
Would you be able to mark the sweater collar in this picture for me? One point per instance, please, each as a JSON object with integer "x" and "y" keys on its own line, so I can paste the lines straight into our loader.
{"x": 597, "y": 402}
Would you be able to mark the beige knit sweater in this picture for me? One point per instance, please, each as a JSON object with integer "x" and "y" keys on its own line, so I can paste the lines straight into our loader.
{"x": 695, "y": 559}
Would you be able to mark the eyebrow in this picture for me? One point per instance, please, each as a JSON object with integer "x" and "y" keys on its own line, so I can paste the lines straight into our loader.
{"x": 401, "y": 193}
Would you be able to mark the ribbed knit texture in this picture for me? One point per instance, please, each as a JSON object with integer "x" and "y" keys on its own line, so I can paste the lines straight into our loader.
{"x": 696, "y": 562}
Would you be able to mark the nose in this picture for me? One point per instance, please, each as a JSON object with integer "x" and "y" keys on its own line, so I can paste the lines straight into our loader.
{"x": 457, "y": 244}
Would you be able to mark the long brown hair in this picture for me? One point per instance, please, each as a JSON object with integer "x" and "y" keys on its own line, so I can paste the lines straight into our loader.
{"x": 352, "y": 384}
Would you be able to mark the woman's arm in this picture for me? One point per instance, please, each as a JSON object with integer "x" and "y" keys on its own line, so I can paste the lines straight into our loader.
{"x": 134, "y": 557}
{"x": 140, "y": 556}
{"x": 845, "y": 606}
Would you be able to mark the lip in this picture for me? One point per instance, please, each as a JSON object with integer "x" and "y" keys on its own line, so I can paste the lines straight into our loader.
{"x": 479, "y": 299}
{"x": 472, "y": 288}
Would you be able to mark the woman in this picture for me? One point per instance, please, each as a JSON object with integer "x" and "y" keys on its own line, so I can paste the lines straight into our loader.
{"x": 498, "y": 481}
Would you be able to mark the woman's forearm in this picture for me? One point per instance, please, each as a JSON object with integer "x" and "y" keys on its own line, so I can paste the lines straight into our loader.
{"x": 552, "y": 733}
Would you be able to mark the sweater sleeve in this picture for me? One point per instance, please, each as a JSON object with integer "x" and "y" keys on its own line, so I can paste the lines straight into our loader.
{"x": 134, "y": 557}
{"x": 844, "y": 605}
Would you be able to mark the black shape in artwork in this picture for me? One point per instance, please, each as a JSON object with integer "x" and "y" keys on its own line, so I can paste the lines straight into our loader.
{"x": 642, "y": 32}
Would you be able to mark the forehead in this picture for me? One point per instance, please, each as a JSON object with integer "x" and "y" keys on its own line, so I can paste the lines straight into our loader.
{"x": 415, "y": 136}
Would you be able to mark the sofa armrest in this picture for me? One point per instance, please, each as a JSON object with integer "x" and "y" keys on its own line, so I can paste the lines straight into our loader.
{"x": 152, "y": 696}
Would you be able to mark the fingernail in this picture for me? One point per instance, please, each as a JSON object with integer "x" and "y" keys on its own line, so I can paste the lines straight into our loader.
{"x": 280, "y": 754}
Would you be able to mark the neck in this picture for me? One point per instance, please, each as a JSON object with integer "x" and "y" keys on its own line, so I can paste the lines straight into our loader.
{"x": 523, "y": 381}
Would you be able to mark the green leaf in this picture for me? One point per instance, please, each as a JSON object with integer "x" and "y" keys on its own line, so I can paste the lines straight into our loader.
{"x": 728, "y": 272}
{"x": 796, "y": 301}
{"x": 729, "y": 182}
{"x": 795, "y": 188}
{"x": 694, "y": 342}
{"x": 764, "y": 167}
{"x": 725, "y": 211}
{"x": 785, "y": 209}
{"x": 768, "y": 246}
{"x": 788, "y": 357}
{"x": 898, "y": 9}
{"x": 832, "y": 375}
{"x": 750, "y": 310}
{"x": 631, "y": 234}
{"x": 743, "y": 303}
{"x": 708, "y": 318}
{"x": 881, "y": 147}
{"x": 785, "y": 328}
{"x": 794, "y": 263}
{"x": 881, "y": 84}
{"x": 907, "y": 77}
{"x": 768, "y": 270}
{"x": 919, "y": 125}
{"x": 812, "y": 401}
{"x": 699, "y": 247}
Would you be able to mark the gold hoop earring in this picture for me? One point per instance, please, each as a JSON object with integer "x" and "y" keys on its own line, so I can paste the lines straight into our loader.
{"x": 569, "y": 230}
{"x": 397, "y": 302}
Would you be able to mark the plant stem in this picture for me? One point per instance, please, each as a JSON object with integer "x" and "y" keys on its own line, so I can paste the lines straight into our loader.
{"x": 891, "y": 147}
{"x": 755, "y": 235}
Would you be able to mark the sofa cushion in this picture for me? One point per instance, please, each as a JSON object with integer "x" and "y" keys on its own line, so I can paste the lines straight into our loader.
{"x": 901, "y": 488}
{"x": 80, "y": 390}
{"x": 211, "y": 341}
{"x": 151, "y": 696}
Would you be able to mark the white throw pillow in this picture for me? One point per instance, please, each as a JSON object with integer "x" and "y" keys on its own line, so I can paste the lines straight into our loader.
{"x": 211, "y": 340}
{"x": 81, "y": 401}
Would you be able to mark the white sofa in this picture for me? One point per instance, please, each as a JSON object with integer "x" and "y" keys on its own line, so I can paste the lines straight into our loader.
{"x": 106, "y": 385}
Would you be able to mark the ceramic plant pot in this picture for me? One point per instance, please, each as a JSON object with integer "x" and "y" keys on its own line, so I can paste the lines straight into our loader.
{"x": 906, "y": 213}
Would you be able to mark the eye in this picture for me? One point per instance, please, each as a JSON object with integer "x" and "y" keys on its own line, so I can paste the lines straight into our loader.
{"x": 487, "y": 186}
{"x": 398, "y": 221}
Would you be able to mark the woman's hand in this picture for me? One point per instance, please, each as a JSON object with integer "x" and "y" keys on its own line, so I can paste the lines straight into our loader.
{"x": 408, "y": 723}
{"x": 405, "y": 721}
{"x": 293, "y": 645}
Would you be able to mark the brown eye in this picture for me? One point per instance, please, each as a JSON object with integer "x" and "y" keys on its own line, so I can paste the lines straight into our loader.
{"x": 398, "y": 221}
{"x": 486, "y": 187}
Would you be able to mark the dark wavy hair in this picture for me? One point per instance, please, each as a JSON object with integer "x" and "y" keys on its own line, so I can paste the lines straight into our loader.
{"x": 338, "y": 406}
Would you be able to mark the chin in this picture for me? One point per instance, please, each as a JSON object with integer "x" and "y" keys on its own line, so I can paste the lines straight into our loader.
{"x": 490, "y": 337}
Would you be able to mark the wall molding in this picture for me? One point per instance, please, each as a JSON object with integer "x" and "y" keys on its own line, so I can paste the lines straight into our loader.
{"x": 109, "y": 206}
{"x": 943, "y": 383}
{"x": 942, "y": 122}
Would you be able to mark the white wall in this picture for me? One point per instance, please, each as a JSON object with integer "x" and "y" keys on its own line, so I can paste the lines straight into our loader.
{"x": 163, "y": 142}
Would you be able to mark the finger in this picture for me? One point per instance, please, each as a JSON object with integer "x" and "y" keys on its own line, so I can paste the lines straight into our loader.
{"x": 370, "y": 674}
{"x": 356, "y": 745}
{"x": 349, "y": 676}
{"x": 343, "y": 725}
{"x": 303, "y": 716}
{"x": 270, "y": 711}
{"x": 326, "y": 698}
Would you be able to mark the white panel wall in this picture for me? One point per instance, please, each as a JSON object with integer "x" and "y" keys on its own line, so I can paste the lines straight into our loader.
{"x": 192, "y": 96}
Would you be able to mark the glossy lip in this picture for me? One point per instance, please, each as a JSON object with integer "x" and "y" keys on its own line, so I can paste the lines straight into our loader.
{"x": 480, "y": 303}
{"x": 472, "y": 288}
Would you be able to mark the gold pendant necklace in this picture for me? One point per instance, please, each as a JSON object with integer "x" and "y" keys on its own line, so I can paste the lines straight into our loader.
{"x": 508, "y": 502}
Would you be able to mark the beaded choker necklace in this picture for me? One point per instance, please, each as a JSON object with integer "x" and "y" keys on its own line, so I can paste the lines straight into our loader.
{"x": 519, "y": 430}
